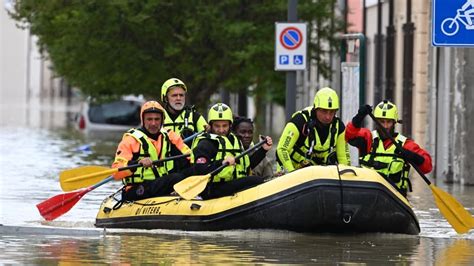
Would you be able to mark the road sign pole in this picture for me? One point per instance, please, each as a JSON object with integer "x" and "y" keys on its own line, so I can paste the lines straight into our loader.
{"x": 290, "y": 99}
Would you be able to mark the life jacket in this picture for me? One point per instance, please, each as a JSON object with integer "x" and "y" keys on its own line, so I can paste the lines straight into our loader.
{"x": 147, "y": 149}
{"x": 387, "y": 163}
{"x": 308, "y": 149}
{"x": 184, "y": 123}
{"x": 227, "y": 147}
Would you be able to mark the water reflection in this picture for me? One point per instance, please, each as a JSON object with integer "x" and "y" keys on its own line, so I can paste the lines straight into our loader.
{"x": 461, "y": 251}
{"x": 234, "y": 247}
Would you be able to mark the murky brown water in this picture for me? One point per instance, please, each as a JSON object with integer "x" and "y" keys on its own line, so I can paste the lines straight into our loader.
{"x": 37, "y": 142}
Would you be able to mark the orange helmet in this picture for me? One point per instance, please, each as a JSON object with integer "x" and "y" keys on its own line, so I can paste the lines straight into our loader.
{"x": 152, "y": 107}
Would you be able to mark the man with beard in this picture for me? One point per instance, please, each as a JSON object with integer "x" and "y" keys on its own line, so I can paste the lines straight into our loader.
{"x": 144, "y": 145}
{"x": 243, "y": 128}
{"x": 314, "y": 136}
{"x": 181, "y": 118}
{"x": 376, "y": 150}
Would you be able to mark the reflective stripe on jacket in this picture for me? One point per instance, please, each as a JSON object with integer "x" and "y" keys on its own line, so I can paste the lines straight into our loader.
{"x": 386, "y": 162}
{"x": 147, "y": 149}
{"x": 300, "y": 146}
{"x": 227, "y": 148}
{"x": 185, "y": 124}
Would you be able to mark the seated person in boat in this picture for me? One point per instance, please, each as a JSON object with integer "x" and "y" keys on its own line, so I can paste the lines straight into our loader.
{"x": 376, "y": 150}
{"x": 219, "y": 147}
{"x": 314, "y": 136}
{"x": 243, "y": 128}
{"x": 180, "y": 118}
{"x": 146, "y": 144}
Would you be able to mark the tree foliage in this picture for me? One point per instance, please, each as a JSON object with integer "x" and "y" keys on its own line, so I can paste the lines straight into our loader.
{"x": 121, "y": 47}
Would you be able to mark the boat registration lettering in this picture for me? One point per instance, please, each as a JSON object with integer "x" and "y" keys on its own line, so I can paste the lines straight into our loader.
{"x": 148, "y": 210}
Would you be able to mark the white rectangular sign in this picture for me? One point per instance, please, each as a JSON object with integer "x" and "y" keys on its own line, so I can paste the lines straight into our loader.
{"x": 290, "y": 46}
{"x": 350, "y": 99}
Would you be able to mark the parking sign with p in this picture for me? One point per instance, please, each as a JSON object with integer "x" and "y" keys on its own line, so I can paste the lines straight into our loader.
{"x": 290, "y": 46}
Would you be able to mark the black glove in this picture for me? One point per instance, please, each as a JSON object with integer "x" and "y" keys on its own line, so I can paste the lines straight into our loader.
{"x": 359, "y": 117}
{"x": 132, "y": 163}
{"x": 412, "y": 157}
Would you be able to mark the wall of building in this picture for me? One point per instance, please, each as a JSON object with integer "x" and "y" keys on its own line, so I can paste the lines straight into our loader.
{"x": 24, "y": 72}
{"x": 465, "y": 175}
{"x": 421, "y": 18}
{"x": 14, "y": 58}
{"x": 27, "y": 79}
{"x": 400, "y": 17}
{"x": 463, "y": 128}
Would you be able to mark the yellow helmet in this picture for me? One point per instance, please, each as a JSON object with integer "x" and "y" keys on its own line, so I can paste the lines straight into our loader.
{"x": 152, "y": 107}
{"x": 172, "y": 82}
{"x": 220, "y": 111}
{"x": 326, "y": 98}
{"x": 387, "y": 110}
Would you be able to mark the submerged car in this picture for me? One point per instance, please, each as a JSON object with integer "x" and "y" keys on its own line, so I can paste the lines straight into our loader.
{"x": 116, "y": 115}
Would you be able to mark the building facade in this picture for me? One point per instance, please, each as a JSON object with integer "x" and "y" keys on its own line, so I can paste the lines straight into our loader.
{"x": 430, "y": 85}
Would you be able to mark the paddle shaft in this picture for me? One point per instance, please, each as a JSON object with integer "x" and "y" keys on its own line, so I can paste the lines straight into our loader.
{"x": 110, "y": 178}
{"x": 162, "y": 160}
{"x": 114, "y": 170}
{"x": 400, "y": 148}
{"x": 154, "y": 162}
{"x": 256, "y": 146}
{"x": 68, "y": 178}
{"x": 190, "y": 187}
{"x": 191, "y": 137}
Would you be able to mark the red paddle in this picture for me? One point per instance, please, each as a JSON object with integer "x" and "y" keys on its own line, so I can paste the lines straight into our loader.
{"x": 58, "y": 205}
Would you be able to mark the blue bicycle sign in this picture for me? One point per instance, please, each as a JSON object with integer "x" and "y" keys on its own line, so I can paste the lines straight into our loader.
{"x": 450, "y": 26}
{"x": 453, "y": 24}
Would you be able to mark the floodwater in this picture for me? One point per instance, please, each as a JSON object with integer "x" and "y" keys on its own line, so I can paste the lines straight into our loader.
{"x": 38, "y": 142}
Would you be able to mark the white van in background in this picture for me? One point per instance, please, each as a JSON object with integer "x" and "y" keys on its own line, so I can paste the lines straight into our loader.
{"x": 117, "y": 115}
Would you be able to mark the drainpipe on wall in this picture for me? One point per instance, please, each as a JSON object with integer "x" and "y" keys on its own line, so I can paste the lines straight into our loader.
{"x": 408, "y": 43}
{"x": 378, "y": 58}
{"x": 390, "y": 56}
{"x": 364, "y": 19}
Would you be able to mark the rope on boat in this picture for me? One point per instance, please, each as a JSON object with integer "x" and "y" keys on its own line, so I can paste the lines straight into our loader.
{"x": 120, "y": 202}
{"x": 345, "y": 216}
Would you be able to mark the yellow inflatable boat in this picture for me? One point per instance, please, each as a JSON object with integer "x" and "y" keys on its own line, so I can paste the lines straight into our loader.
{"x": 313, "y": 199}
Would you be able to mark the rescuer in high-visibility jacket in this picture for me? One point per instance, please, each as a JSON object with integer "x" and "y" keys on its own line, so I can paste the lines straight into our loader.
{"x": 220, "y": 146}
{"x": 376, "y": 150}
{"x": 143, "y": 145}
{"x": 314, "y": 136}
{"x": 181, "y": 118}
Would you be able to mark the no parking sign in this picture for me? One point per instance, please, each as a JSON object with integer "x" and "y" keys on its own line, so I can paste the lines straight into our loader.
{"x": 290, "y": 46}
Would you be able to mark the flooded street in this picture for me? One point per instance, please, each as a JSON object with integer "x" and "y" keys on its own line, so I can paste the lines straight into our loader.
{"x": 39, "y": 141}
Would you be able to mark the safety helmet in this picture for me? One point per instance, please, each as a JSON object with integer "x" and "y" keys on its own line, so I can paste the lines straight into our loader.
{"x": 220, "y": 111}
{"x": 152, "y": 107}
{"x": 326, "y": 98}
{"x": 387, "y": 110}
{"x": 172, "y": 82}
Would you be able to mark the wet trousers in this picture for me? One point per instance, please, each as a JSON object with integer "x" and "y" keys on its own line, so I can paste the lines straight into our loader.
{"x": 221, "y": 189}
{"x": 161, "y": 186}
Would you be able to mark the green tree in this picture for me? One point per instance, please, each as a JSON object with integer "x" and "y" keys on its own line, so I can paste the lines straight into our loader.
{"x": 118, "y": 47}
